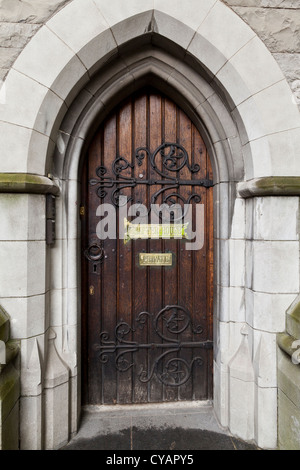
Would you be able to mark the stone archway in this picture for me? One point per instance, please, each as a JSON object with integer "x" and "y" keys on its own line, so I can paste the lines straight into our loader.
{"x": 248, "y": 120}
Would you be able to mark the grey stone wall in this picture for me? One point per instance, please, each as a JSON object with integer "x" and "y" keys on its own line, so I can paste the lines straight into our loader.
{"x": 19, "y": 21}
{"x": 277, "y": 23}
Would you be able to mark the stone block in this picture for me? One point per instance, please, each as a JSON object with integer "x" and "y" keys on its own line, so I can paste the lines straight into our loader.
{"x": 31, "y": 431}
{"x": 293, "y": 319}
{"x": 17, "y": 211}
{"x": 7, "y": 56}
{"x": 37, "y": 108}
{"x": 26, "y": 315}
{"x": 286, "y": 143}
{"x": 241, "y": 393}
{"x": 4, "y": 325}
{"x": 288, "y": 403}
{"x": 98, "y": 51}
{"x": 78, "y": 24}
{"x": 263, "y": 3}
{"x": 134, "y": 28}
{"x": 276, "y": 218}
{"x": 9, "y": 391}
{"x": 25, "y": 268}
{"x": 116, "y": 11}
{"x": 289, "y": 377}
{"x": 266, "y": 311}
{"x": 245, "y": 63}
{"x": 237, "y": 262}
{"x": 193, "y": 13}
{"x": 266, "y": 417}
{"x": 223, "y": 253}
{"x": 56, "y": 398}
{"x": 232, "y": 304}
{"x": 264, "y": 350}
{"x": 288, "y": 424}
{"x": 9, "y": 430}
{"x": 27, "y": 12}
{"x": 13, "y": 144}
{"x": 221, "y": 209}
{"x": 16, "y": 35}
{"x": 66, "y": 70}
{"x": 276, "y": 267}
{"x": 215, "y": 29}
{"x": 207, "y": 54}
{"x": 238, "y": 225}
{"x": 266, "y": 112}
{"x": 57, "y": 261}
{"x": 278, "y": 27}
{"x": 289, "y": 64}
{"x": 56, "y": 416}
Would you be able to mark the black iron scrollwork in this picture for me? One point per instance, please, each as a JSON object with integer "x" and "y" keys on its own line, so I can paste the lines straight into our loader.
{"x": 168, "y": 159}
{"x": 170, "y": 322}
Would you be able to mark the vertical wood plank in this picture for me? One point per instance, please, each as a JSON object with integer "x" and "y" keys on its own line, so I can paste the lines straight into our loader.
{"x": 94, "y": 286}
{"x": 171, "y": 280}
{"x": 109, "y": 271}
{"x": 140, "y": 275}
{"x": 200, "y": 276}
{"x": 125, "y": 259}
{"x": 155, "y": 273}
{"x": 186, "y": 271}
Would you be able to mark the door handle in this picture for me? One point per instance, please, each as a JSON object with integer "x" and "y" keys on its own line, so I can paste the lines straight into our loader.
{"x": 94, "y": 252}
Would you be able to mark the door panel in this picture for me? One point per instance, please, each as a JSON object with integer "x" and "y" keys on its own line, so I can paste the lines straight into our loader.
{"x": 146, "y": 330}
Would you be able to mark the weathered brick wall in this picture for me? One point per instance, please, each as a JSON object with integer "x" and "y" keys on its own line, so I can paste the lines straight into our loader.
{"x": 277, "y": 23}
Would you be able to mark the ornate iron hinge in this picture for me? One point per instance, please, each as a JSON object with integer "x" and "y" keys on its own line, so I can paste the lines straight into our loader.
{"x": 168, "y": 324}
{"x": 170, "y": 157}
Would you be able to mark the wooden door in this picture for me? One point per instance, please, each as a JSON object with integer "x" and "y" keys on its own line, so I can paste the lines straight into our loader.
{"x": 147, "y": 330}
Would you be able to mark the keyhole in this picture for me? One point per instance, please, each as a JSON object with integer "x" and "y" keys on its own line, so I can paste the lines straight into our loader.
{"x": 95, "y": 268}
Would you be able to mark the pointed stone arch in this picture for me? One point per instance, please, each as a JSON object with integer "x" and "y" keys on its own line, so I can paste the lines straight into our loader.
{"x": 64, "y": 83}
{"x": 228, "y": 57}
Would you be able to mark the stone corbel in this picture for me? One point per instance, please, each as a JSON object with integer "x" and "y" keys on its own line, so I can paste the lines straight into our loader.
{"x": 270, "y": 186}
{"x": 27, "y": 183}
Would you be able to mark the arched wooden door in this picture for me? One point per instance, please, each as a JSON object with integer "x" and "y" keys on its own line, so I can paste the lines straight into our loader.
{"x": 147, "y": 317}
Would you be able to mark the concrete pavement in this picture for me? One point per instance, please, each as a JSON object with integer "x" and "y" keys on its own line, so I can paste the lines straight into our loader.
{"x": 176, "y": 426}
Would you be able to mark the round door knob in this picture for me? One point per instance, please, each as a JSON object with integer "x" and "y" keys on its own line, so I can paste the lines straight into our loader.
{"x": 94, "y": 252}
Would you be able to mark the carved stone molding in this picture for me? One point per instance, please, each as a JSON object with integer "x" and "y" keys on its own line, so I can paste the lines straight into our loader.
{"x": 27, "y": 183}
{"x": 270, "y": 186}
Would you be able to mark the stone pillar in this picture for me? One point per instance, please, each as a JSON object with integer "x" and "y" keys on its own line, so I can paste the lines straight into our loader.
{"x": 289, "y": 381}
{"x": 9, "y": 387}
{"x": 241, "y": 391}
{"x": 56, "y": 398}
{"x": 31, "y": 411}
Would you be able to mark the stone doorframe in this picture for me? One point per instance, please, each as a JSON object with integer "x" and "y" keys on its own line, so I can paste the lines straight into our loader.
{"x": 59, "y": 90}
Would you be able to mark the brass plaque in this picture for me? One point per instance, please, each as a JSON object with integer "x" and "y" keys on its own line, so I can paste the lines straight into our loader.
{"x": 155, "y": 259}
{"x": 145, "y": 231}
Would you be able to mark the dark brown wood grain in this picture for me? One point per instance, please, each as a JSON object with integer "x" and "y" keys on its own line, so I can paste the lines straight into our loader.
{"x": 116, "y": 289}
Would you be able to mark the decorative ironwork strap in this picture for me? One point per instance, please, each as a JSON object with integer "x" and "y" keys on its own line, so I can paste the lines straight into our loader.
{"x": 170, "y": 322}
{"x": 170, "y": 157}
